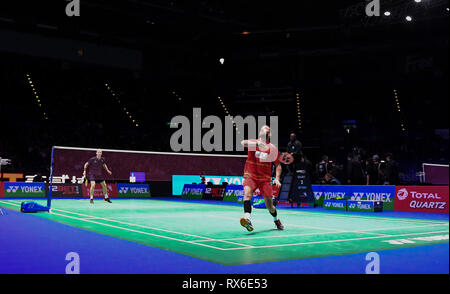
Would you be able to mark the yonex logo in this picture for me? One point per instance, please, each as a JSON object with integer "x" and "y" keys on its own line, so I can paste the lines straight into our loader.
{"x": 24, "y": 189}
{"x": 12, "y": 189}
{"x": 318, "y": 195}
{"x": 402, "y": 194}
{"x": 133, "y": 190}
{"x": 123, "y": 190}
{"x": 357, "y": 196}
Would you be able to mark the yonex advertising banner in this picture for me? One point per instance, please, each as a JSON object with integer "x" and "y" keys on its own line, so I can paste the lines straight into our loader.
{"x": 31, "y": 190}
{"x": 98, "y": 190}
{"x": 256, "y": 194}
{"x": 333, "y": 204}
{"x": 133, "y": 191}
{"x": 258, "y": 202}
{"x": 386, "y": 194}
{"x": 232, "y": 192}
{"x": 193, "y": 191}
{"x": 178, "y": 181}
{"x": 422, "y": 199}
{"x": 365, "y": 206}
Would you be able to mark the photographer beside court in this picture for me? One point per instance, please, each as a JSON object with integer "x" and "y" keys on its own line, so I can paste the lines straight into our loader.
{"x": 391, "y": 172}
{"x": 323, "y": 168}
{"x": 329, "y": 179}
{"x": 374, "y": 171}
{"x": 294, "y": 147}
{"x": 355, "y": 171}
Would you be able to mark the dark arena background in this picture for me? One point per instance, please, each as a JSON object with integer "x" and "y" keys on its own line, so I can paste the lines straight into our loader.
{"x": 359, "y": 91}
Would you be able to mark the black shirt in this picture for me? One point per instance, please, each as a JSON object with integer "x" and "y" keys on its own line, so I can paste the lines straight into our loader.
{"x": 355, "y": 172}
{"x": 322, "y": 169}
{"x": 392, "y": 173}
{"x": 294, "y": 147}
{"x": 95, "y": 165}
{"x": 374, "y": 173}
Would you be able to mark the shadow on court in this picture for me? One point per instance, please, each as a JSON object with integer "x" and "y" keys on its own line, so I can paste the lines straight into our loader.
{"x": 261, "y": 232}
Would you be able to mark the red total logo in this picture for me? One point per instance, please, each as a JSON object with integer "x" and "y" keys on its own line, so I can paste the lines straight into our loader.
{"x": 422, "y": 199}
{"x": 402, "y": 194}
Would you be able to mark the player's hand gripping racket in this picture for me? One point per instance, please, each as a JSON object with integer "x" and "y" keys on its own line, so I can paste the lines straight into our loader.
{"x": 84, "y": 180}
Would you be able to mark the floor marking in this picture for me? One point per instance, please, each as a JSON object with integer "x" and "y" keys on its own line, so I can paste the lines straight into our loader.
{"x": 286, "y": 211}
{"x": 324, "y": 214}
{"x": 87, "y": 217}
{"x": 409, "y": 220}
{"x": 309, "y": 227}
{"x": 334, "y": 241}
{"x": 281, "y": 236}
{"x": 326, "y": 233}
{"x": 131, "y": 230}
{"x": 247, "y": 246}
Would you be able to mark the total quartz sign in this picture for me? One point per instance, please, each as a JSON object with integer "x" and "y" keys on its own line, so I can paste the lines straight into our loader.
{"x": 421, "y": 199}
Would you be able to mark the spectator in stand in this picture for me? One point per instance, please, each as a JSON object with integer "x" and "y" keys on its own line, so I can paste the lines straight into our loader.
{"x": 355, "y": 172}
{"x": 373, "y": 171}
{"x": 337, "y": 170}
{"x": 392, "y": 173}
{"x": 329, "y": 179}
{"x": 322, "y": 168}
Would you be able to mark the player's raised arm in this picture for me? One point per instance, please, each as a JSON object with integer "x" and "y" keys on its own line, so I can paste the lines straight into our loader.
{"x": 253, "y": 144}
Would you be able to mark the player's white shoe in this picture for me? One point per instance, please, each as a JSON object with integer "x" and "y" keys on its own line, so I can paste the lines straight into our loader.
{"x": 246, "y": 223}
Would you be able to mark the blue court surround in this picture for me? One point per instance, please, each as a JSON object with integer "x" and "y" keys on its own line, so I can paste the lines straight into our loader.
{"x": 34, "y": 245}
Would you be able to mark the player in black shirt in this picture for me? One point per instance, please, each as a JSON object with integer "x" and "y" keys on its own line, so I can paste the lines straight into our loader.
{"x": 96, "y": 165}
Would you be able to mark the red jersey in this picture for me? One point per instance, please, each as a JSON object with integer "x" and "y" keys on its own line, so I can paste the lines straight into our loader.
{"x": 259, "y": 163}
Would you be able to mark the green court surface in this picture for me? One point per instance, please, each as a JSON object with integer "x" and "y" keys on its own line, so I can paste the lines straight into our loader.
{"x": 212, "y": 232}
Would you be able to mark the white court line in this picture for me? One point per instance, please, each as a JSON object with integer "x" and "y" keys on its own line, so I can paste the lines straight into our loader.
{"x": 147, "y": 227}
{"x": 287, "y": 212}
{"x": 334, "y": 241}
{"x": 257, "y": 247}
{"x": 334, "y": 232}
{"x": 304, "y": 226}
{"x": 86, "y": 216}
{"x": 270, "y": 237}
{"x": 367, "y": 218}
{"x": 127, "y": 229}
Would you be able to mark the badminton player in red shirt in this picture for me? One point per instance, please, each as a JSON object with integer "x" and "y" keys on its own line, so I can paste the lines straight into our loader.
{"x": 258, "y": 174}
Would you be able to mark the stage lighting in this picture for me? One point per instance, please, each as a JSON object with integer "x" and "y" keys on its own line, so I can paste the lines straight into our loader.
{"x": 409, "y": 18}
{"x": 387, "y": 13}
{"x": 222, "y": 60}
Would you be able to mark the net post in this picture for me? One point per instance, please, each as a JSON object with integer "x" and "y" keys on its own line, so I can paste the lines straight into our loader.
{"x": 50, "y": 185}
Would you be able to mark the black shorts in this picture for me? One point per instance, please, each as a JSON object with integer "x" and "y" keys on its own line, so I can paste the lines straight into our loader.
{"x": 96, "y": 178}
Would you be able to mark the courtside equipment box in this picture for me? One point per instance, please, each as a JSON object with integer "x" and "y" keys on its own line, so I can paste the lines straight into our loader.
{"x": 334, "y": 204}
{"x": 32, "y": 207}
{"x": 365, "y": 205}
